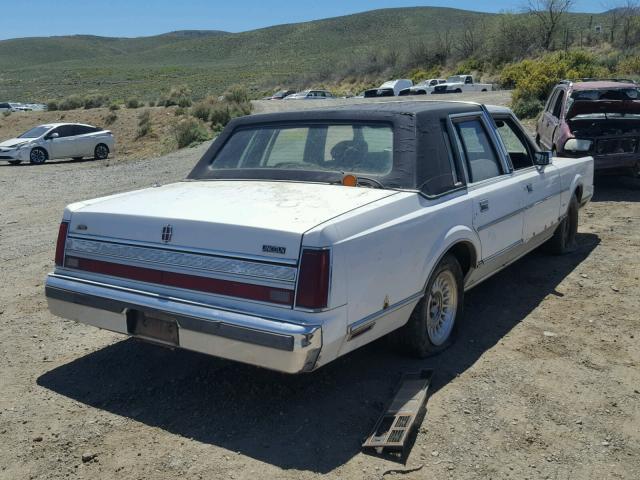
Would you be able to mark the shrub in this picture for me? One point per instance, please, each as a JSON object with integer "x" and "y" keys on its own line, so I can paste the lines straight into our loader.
{"x": 114, "y": 106}
{"x": 237, "y": 94}
{"x": 535, "y": 78}
{"x": 144, "y": 124}
{"x": 180, "y": 96}
{"x": 151, "y": 103}
{"x": 189, "y": 131}
{"x": 6, "y": 113}
{"x": 202, "y": 111}
{"x": 527, "y": 107}
{"x": 630, "y": 66}
{"x": 52, "y": 105}
{"x": 133, "y": 103}
{"x": 71, "y": 103}
{"x": 94, "y": 102}
{"x": 179, "y": 111}
{"x": 110, "y": 118}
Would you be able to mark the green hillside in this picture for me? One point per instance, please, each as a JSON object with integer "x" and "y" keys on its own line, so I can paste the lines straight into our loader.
{"x": 38, "y": 69}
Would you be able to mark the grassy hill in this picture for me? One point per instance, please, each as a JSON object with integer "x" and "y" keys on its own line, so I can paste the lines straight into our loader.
{"x": 38, "y": 69}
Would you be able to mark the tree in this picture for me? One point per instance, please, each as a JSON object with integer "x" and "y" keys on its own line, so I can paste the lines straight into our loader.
{"x": 549, "y": 15}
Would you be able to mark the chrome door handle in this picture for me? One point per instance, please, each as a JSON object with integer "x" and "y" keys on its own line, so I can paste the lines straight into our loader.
{"x": 529, "y": 187}
{"x": 484, "y": 205}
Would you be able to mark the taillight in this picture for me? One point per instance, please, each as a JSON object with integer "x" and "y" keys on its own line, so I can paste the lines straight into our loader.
{"x": 62, "y": 239}
{"x": 313, "y": 281}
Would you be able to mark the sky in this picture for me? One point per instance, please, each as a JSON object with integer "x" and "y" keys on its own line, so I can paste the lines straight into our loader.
{"x": 135, "y": 18}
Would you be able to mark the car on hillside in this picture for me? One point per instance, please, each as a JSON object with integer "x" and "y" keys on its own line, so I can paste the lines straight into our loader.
{"x": 422, "y": 88}
{"x": 58, "y": 140}
{"x": 460, "y": 84}
{"x": 302, "y": 236}
{"x": 392, "y": 88}
{"x": 311, "y": 95}
{"x": 600, "y": 118}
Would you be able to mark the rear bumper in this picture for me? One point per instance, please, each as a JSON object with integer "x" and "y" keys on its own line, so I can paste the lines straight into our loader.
{"x": 264, "y": 342}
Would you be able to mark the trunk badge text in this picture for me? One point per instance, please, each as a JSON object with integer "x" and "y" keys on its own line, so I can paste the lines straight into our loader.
{"x": 274, "y": 249}
{"x": 167, "y": 233}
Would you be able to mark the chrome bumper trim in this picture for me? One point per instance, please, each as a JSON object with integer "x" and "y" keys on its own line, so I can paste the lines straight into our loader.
{"x": 273, "y": 344}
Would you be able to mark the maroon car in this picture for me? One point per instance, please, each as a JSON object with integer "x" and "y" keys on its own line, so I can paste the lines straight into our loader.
{"x": 597, "y": 118}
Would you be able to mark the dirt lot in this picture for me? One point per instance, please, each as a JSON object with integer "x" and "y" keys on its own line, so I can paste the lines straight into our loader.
{"x": 543, "y": 383}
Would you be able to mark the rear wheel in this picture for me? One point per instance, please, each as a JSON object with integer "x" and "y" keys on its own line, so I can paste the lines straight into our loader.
{"x": 458, "y": 90}
{"x": 564, "y": 238}
{"x": 38, "y": 156}
{"x": 101, "y": 152}
{"x": 432, "y": 324}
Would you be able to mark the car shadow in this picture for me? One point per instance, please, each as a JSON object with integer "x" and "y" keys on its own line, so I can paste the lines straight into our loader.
{"x": 612, "y": 188}
{"x": 48, "y": 162}
{"x": 314, "y": 422}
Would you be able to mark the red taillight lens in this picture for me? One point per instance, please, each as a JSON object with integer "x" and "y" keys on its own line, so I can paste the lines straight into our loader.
{"x": 62, "y": 239}
{"x": 313, "y": 282}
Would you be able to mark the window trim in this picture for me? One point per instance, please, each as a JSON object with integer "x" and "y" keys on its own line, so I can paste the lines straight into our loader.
{"x": 505, "y": 167}
{"x": 523, "y": 137}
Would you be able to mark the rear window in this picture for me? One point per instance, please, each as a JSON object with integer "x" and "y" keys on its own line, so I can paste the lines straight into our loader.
{"x": 355, "y": 148}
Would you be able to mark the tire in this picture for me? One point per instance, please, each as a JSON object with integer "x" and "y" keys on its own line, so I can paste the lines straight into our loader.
{"x": 77, "y": 158}
{"x": 564, "y": 238}
{"x": 458, "y": 90}
{"x": 424, "y": 335}
{"x": 38, "y": 156}
{"x": 15, "y": 162}
{"x": 101, "y": 152}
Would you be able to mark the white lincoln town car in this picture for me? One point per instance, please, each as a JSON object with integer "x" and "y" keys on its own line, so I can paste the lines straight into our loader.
{"x": 58, "y": 140}
{"x": 301, "y": 236}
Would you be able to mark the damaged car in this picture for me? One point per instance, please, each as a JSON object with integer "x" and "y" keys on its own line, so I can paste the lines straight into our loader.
{"x": 597, "y": 118}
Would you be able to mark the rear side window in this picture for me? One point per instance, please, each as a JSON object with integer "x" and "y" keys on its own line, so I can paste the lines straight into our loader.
{"x": 84, "y": 129}
{"x": 480, "y": 156}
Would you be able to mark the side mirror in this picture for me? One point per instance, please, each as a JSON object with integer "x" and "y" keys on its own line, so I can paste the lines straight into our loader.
{"x": 53, "y": 135}
{"x": 542, "y": 158}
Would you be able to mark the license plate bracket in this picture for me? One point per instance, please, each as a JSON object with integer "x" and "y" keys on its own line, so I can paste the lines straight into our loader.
{"x": 153, "y": 326}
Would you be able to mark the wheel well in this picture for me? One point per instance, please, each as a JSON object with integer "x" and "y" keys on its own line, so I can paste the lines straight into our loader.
{"x": 578, "y": 192}
{"x": 40, "y": 147}
{"x": 465, "y": 253}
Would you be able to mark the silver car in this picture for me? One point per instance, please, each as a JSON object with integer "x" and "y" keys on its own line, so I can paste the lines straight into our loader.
{"x": 58, "y": 140}
{"x": 311, "y": 95}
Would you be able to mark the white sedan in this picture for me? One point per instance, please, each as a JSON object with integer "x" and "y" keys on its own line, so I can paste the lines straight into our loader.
{"x": 58, "y": 140}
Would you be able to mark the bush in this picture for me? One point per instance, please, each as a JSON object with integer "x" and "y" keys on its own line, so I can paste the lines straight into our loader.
{"x": 94, "y": 102}
{"x": 180, "y": 111}
{"x": 528, "y": 107}
{"x": 534, "y": 79}
{"x": 144, "y": 124}
{"x": 114, "y": 106}
{"x": 237, "y": 94}
{"x": 71, "y": 103}
{"x": 630, "y": 66}
{"x": 52, "y": 105}
{"x": 110, "y": 118}
{"x": 151, "y": 103}
{"x": 221, "y": 113}
{"x": 202, "y": 111}
{"x": 133, "y": 103}
{"x": 189, "y": 131}
{"x": 6, "y": 113}
{"x": 180, "y": 96}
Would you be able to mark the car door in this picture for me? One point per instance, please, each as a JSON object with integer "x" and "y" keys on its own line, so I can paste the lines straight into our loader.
{"x": 541, "y": 186}
{"x": 551, "y": 119}
{"x": 496, "y": 195}
{"x": 63, "y": 145}
{"x": 84, "y": 141}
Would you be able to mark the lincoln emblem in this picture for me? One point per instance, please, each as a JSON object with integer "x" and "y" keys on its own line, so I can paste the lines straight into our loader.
{"x": 167, "y": 233}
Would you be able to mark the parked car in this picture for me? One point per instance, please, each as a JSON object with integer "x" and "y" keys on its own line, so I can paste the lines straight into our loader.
{"x": 58, "y": 140}
{"x": 281, "y": 94}
{"x": 597, "y": 118}
{"x": 423, "y": 88}
{"x": 310, "y": 95}
{"x": 302, "y": 236}
{"x": 462, "y": 83}
{"x": 5, "y": 107}
{"x": 392, "y": 88}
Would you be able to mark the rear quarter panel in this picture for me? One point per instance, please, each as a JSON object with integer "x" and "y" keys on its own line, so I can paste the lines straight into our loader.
{"x": 384, "y": 253}
{"x": 575, "y": 174}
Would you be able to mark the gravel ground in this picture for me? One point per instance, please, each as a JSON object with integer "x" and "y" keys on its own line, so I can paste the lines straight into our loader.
{"x": 543, "y": 382}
